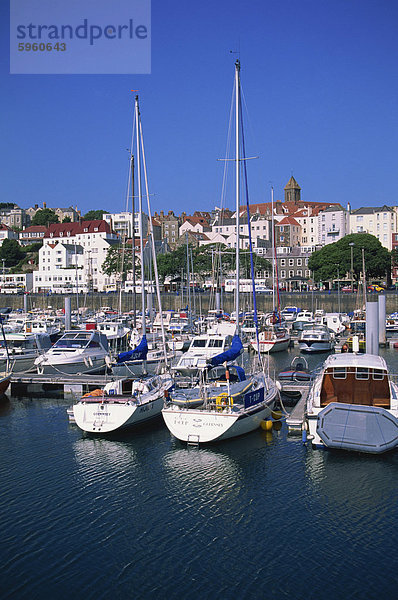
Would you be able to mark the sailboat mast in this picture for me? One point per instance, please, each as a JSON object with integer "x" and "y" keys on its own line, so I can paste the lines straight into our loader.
{"x": 237, "y": 173}
{"x": 137, "y": 116}
{"x": 273, "y": 248}
{"x": 133, "y": 242}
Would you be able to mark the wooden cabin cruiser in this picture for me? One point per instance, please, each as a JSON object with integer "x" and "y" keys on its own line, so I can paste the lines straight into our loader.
{"x": 353, "y": 405}
{"x": 22, "y": 350}
{"x": 121, "y": 404}
{"x": 76, "y": 352}
{"x": 315, "y": 338}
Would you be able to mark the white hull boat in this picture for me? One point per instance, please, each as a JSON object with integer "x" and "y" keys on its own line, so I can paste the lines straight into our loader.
{"x": 316, "y": 338}
{"x": 23, "y": 349}
{"x": 222, "y": 414}
{"x": 76, "y": 352}
{"x": 272, "y": 339}
{"x": 107, "y": 412}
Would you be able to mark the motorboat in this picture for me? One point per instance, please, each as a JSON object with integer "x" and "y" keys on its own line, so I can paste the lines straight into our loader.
{"x": 297, "y": 371}
{"x": 336, "y": 322}
{"x": 22, "y": 349}
{"x": 50, "y": 325}
{"x": 121, "y": 404}
{"x": 76, "y": 352}
{"x": 353, "y": 405}
{"x": 289, "y": 313}
{"x": 316, "y": 338}
{"x": 273, "y": 338}
{"x": 202, "y": 348}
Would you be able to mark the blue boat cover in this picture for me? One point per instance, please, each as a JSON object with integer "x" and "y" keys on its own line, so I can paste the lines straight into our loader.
{"x": 356, "y": 427}
{"x": 235, "y": 349}
{"x": 139, "y": 353}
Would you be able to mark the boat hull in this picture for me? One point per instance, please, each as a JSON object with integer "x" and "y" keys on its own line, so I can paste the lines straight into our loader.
{"x": 72, "y": 368}
{"x": 315, "y": 347}
{"x": 271, "y": 346}
{"x": 105, "y": 417}
{"x": 203, "y": 425}
{"x": 4, "y": 383}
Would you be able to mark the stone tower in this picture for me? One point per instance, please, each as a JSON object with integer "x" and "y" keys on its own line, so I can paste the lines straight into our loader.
{"x": 292, "y": 191}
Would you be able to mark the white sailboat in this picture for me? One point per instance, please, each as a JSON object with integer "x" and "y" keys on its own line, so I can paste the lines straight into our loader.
{"x": 130, "y": 402}
{"x": 223, "y": 409}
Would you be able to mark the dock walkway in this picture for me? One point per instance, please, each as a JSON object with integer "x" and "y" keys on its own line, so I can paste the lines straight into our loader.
{"x": 295, "y": 420}
{"x": 70, "y": 383}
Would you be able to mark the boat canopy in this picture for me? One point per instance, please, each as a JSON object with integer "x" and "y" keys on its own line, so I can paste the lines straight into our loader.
{"x": 139, "y": 353}
{"x": 235, "y": 349}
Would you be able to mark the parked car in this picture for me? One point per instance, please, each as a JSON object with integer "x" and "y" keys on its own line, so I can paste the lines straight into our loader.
{"x": 375, "y": 288}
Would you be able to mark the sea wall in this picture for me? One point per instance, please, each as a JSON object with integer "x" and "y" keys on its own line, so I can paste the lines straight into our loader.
{"x": 202, "y": 302}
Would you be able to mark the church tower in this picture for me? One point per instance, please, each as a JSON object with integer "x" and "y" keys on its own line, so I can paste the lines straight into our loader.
{"x": 292, "y": 191}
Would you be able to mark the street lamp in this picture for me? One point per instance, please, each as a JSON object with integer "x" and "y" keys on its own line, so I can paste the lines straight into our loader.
{"x": 351, "y": 244}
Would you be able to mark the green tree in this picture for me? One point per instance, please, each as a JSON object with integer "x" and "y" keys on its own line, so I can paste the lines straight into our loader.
{"x": 118, "y": 259}
{"x": 94, "y": 215}
{"x": 44, "y": 216}
{"x": 334, "y": 258}
{"x": 11, "y": 252}
{"x": 205, "y": 258}
{"x": 67, "y": 220}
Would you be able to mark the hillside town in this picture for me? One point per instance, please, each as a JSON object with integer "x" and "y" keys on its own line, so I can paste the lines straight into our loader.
{"x": 69, "y": 252}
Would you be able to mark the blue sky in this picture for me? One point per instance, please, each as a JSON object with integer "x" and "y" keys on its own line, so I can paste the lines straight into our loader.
{"x": 320, "y": 82}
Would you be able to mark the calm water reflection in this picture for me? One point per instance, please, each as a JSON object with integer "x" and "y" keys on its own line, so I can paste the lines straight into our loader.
{"x": 143, "y": 516}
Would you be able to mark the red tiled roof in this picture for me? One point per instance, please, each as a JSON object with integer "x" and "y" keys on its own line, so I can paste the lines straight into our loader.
{"x": 288, "y": 221}
{"x": 96, "y": 225}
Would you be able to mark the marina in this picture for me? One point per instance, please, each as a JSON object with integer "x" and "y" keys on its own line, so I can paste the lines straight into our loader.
{"x": 131, "y": 510}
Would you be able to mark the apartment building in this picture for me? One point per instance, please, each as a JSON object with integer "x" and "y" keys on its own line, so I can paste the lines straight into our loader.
{"x": 378, "y": 221}
{"x": 73, "y": 254}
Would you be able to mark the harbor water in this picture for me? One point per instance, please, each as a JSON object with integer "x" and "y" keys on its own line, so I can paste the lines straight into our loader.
{"x": 141, "y": 515}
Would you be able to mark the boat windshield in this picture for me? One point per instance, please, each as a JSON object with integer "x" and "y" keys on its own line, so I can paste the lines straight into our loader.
{"x": 72, "y": 341}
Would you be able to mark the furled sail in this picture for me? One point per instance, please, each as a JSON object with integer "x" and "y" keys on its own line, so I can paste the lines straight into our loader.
{"x": 235, "y": 349}
{"x": 139, "y": 353}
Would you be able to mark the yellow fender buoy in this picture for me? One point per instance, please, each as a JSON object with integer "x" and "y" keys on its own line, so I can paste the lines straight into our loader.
{"x": 276, "y": 414}
{"x": 266, "y": 425}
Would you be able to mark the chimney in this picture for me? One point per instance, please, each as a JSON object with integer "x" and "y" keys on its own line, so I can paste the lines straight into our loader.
{"x": 44, "y": 205}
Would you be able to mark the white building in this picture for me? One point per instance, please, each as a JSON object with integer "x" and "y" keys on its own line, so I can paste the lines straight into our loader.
{"x": 378, "y": 221}
{"x": 16, "y": 283}
{"x": 332, "y": 225}
{"x": 6, "y": 233}
{"x": 123, "y": 223}
{"x": 72, "y": 256}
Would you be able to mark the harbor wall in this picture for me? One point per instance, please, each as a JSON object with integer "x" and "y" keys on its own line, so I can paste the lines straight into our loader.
{"x": 202, "y": 302}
